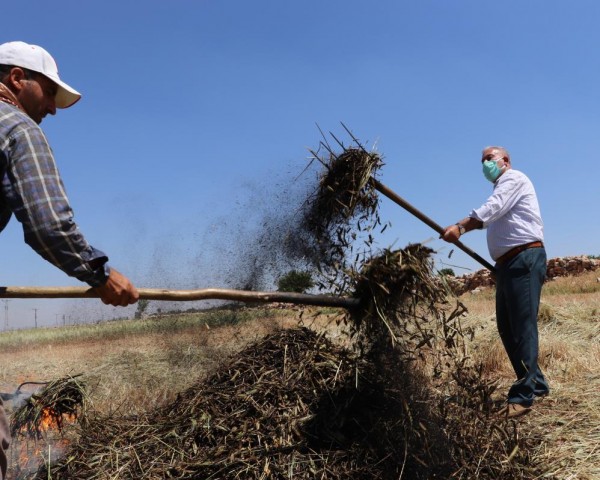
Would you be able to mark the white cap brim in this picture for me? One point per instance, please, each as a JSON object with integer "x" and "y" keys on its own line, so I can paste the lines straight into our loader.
{"x": 66, "y": 95}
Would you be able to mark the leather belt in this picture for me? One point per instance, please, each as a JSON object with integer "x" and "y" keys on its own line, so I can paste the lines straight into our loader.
{"x": 513, "y": 252}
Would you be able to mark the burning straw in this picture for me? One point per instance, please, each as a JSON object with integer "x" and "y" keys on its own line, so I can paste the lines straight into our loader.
{"x": 60, "y": 400}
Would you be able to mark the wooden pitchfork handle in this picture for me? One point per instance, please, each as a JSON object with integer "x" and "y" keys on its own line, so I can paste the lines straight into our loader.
{"x": 187, "y": 295}
{"x": 421, "y": 216}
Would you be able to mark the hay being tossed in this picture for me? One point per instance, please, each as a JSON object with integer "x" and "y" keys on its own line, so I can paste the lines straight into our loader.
{"x": 401, "y": 295}
{"x": 344, "y": 194}
{"x": 341, "y": 213}
{"x": 404, "y": 302}
{"x": 60, "y": 399}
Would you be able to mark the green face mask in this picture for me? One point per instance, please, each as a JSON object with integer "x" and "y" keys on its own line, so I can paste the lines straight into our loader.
{"x": 491, "y": 170}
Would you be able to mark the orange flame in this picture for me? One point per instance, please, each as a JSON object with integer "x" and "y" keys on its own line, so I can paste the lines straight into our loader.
{"x": 50, "y": 419}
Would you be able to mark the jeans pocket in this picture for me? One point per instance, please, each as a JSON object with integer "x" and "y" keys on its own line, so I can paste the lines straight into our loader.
{"x": 519, "y": 266}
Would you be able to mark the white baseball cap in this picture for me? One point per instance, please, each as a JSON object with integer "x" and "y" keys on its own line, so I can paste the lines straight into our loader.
{"x": 36, "y": 59}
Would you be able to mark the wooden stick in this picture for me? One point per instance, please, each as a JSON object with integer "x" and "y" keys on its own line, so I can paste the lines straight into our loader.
{"x": 421, "y": 216}
{"x": 187, "y": 295}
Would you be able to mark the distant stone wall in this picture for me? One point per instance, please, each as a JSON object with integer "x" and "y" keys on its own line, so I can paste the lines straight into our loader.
{"x": 571, "y": 266}
{"x": 557, "y": 267}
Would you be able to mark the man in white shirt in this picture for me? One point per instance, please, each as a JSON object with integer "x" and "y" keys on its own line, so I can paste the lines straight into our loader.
{"x": 515, "y": 238}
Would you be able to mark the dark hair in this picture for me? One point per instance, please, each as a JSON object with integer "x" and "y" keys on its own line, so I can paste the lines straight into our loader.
{"x": 5, "y": 70}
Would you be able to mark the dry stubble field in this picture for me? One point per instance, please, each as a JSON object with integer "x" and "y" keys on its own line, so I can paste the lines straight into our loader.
{"x": 132, "y": 366}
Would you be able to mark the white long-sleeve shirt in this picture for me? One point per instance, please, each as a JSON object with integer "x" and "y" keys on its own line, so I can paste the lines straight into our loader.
{"x": 511, "y": 214}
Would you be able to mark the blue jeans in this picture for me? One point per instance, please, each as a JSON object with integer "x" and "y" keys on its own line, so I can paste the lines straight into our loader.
{"x": 518, "y": 290}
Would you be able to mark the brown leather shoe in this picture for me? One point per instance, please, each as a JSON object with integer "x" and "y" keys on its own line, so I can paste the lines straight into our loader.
{"x": 514, "y": 410}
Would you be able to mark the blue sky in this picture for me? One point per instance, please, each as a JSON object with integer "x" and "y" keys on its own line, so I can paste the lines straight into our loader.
{"x": 191, "y": 110}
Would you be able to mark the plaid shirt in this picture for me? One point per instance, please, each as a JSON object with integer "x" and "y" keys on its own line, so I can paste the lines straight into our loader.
{"x": 32, "y": 189}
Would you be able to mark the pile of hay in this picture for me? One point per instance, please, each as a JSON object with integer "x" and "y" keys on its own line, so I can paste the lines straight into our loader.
{"x": 296, "y": 406}
{"x": 291, "y": 406}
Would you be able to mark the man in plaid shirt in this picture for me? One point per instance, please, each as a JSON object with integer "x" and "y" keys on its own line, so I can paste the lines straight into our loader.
{"x": 31, "y": 187}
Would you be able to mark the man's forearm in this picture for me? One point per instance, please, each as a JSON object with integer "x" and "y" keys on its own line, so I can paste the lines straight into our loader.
{"x": 470, "y": 223}
{"x": 453, "y": 233}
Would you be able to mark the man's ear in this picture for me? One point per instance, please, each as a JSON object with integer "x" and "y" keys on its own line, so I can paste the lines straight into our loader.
{"x": 15, "y": 78}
